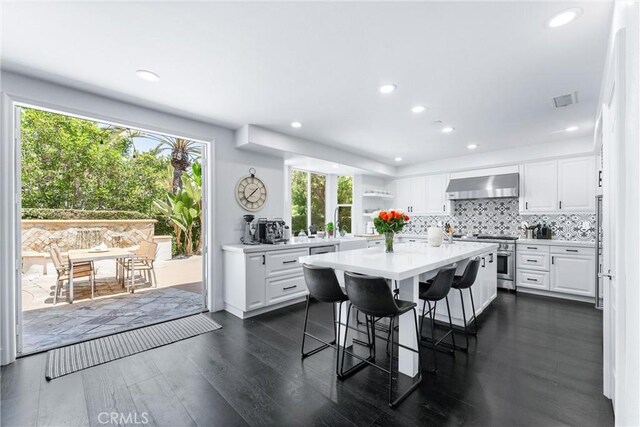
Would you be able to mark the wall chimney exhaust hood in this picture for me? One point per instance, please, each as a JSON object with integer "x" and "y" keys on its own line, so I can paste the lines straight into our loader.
{"x": 484, "y": 187}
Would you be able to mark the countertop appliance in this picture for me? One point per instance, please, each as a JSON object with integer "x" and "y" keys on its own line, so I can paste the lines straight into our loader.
{"x": 249, "y": 231}
{"x": 271, "y": 231}
{"x": 506, "y": 262}
{"x": 316, "y": 250}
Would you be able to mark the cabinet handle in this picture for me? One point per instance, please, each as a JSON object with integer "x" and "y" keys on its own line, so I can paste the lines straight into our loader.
{"x": 532, "y": 247}
{"x": 264, "y": 259}
{"x": 571, "y": 250}
{"x": 532, "y": 280}
{"x": 560, "y": 204}
{"x": 483, "y": 262}
{"x": 289, "y": 262}
{"x": 443, "y": 208}
{"x": 553, "y": 260}
{"x": 289, "y": 287}
{"x": 532, "y": 260}
{"x": 600, "y": 179}
{"x": 526, "y": 205}
{"x": 491, "y": 259}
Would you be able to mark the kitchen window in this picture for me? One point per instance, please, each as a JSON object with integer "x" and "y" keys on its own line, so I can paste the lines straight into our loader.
{"x": 308, "y": 200}
{"x": 345, "y": 202}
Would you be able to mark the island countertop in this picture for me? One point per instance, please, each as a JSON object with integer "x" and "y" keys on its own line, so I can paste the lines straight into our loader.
{"x": 407, "y": 260}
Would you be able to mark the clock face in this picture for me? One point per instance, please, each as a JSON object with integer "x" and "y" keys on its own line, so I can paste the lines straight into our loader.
{"x": 251, "y": 193}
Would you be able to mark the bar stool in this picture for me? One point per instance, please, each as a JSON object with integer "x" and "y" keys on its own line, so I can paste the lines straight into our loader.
{"x": 433, "y": 291}
{"x": 323, "y": 285}
{"x": 465, "y": 281}
{"x": 373, "y": 297}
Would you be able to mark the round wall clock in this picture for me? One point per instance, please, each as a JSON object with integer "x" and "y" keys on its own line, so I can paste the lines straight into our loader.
{"x": 251, "y": 192}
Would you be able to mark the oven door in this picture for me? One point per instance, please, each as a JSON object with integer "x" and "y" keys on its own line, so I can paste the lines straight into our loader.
{"x": 506, "y": 265}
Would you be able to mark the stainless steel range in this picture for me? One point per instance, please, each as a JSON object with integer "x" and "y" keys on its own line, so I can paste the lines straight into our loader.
{"x": 506, "y": 256}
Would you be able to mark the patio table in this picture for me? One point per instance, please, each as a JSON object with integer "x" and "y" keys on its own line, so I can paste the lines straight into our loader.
{"x": 84, "y": 255}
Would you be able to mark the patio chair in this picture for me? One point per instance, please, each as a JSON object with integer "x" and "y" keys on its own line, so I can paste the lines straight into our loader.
{"x": 142, "y": 261}
{"x": 81, "y": 269}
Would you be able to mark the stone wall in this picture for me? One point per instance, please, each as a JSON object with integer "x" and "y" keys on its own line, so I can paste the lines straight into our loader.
{"x": 37, "y": 235}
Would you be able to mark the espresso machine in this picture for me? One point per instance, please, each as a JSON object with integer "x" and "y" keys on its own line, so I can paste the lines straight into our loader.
{"x": 271, "y": 231}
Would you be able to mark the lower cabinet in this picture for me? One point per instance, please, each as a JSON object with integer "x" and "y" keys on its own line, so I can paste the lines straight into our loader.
{"x": 285, "y": 288}
{"x": 557, "y": 269}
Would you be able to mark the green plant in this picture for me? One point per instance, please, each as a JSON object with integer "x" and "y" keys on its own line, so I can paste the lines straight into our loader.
{"x": 391, "y": 221}
{"x": 329, "y": 227}
{"x": 70, "y": 214}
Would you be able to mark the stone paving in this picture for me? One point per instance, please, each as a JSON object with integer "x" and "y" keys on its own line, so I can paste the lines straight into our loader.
{"x": 45, "y": 325}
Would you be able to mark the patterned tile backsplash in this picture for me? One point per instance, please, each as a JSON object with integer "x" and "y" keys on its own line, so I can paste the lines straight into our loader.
{"x": 501, "y": 216}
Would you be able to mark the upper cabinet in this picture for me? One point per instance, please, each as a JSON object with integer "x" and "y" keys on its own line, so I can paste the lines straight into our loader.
{"x": 423, "y": 195}
{"x": 577, "y": 184}
{"x": 567, "y": 185}
{"x": 540, "y": 186}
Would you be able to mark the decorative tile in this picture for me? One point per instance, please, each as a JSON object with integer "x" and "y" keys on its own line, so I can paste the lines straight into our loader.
{"x": 501, "y": 216}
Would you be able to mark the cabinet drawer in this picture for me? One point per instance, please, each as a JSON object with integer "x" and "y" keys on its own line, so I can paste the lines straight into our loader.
{"x": 532, "y": 261}
{"x": 527, "y": 247}
{"x": 285, "y": 262}
{"x": 533, "y": 279}
{"x": 285, "y": 288}
{"x": 568, "y": 250}
{"x": 373, "y": 243}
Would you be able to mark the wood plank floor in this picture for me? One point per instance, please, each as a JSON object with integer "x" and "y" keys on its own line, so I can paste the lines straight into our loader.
{"x": 536, "y": 361}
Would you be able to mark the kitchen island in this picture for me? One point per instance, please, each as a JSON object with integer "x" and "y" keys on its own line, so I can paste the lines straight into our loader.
{"x": 409, "y": 264}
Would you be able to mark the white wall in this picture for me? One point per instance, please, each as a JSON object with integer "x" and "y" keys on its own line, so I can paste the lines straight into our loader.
{"x": 627, "y": 17}
{"x": 228, "y": 166}
{"x": 549, "y": 150}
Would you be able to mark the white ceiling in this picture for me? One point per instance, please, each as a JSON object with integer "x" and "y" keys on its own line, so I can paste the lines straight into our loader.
{"x": 489, "y": 69}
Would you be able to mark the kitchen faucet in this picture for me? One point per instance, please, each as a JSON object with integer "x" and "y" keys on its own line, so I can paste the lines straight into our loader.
{"x": 335, "y": 222}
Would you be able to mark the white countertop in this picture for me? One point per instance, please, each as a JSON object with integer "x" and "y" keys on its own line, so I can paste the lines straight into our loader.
{"x": 548, "y": 242}
{"x": 407, "y": 260}
{"x": 291, "y": 244}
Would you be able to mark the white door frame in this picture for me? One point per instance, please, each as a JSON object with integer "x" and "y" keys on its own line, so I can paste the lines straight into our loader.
{"x": 10, "y": 220}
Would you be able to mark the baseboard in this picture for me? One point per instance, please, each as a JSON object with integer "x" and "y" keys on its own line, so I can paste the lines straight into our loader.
{"x": 248, "y": 314}
{"x": 560, "y": 295}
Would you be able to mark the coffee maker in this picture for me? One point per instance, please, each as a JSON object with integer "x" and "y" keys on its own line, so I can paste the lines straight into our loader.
{"x": 271, "y": 231}
{"x": 249, "y": 231}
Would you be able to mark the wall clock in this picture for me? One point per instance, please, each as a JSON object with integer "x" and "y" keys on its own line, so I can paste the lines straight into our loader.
{"x": 251, "y": 193}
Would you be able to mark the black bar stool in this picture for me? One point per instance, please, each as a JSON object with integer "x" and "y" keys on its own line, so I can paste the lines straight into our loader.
{"x": 433, "y": 291}
{"x": 373, "y": 297}
{"x": 465, "y": 281}
{"x": 323, "y": 285}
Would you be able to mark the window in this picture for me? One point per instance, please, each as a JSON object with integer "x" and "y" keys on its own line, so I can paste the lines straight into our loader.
{"x": 308, "y": 200}
{"x": 345, "y": 201}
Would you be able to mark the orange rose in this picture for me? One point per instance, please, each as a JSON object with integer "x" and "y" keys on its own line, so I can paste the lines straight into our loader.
{"x": 384, "y": 216}
{"x": 398, "y": 215}
{"x": 381, "y": 214}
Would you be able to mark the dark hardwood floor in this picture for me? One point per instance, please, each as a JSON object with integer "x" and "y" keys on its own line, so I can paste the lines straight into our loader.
{"x": 536, "y": 361}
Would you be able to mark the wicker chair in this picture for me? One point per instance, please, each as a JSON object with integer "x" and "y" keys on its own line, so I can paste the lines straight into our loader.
{"x": 81, "y": 269}
{"x": 142, "y": 261}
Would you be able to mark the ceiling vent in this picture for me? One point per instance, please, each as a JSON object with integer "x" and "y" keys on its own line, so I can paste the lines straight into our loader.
{"x": 565, "y": 100}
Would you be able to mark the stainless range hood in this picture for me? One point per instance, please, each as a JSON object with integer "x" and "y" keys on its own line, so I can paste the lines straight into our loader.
{"x": 484, "y": 187}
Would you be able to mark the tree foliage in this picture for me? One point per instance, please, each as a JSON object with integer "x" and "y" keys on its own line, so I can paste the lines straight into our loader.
{"x": 71, "y": 163}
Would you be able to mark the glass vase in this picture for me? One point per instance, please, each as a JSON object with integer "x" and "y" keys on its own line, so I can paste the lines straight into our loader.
{"x": 388, "y": 241}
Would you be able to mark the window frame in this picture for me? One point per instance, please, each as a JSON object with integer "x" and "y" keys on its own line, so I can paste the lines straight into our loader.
{"x": 326, "y": 191}
{"x": 349, "y": 205}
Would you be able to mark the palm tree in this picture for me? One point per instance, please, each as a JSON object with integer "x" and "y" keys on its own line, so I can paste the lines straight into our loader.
{"x": 183, "y": 152}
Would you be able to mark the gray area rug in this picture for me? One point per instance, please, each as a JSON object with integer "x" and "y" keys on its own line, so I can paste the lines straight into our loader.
{"x": 65, "y": 360}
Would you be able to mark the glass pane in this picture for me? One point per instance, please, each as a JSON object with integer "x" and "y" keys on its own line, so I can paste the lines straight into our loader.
{"x": 318, "y": 196}
{"x": 298, "y": 201}
{"x": 344, "y": 218}
{"x": 345, "y": 190}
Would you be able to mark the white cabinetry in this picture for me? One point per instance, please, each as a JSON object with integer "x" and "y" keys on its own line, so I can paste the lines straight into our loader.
{"x": 572, "y": 271}
{"x": 577, "y": 184}
{"x": 424, "y": 194}
{"x": 556, "y": 270}
{"x": 540, "y": 186}
{"x": 567, "y": 185}
{"x": 255, "y": 275}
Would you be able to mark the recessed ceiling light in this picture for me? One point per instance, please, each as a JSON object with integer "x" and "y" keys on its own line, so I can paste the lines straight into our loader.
{"x": 564, "y": 17}
{"x": 387, "y": 88}
{"x": 296, "y": 125}
{"x": 572, "y": 129}
{"x": 418, "y": 109}
{"x": 447, "y": 129}
{"x": 472, "y": 146}
{"x": 147, "y": 75}
{"x": 398, "y": 159}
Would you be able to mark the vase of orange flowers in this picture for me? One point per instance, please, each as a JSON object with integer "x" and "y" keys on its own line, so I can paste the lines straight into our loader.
{"x": 389, "y": 223}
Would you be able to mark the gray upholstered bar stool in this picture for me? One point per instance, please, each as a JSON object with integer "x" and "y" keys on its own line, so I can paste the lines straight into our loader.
{"x": 433, "y": 291}
{"x": 323, "y": 286}
{"x": 373, "y": 297}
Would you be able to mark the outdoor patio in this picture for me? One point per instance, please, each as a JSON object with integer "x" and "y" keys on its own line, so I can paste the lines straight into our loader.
{"x": 45, "y": 325}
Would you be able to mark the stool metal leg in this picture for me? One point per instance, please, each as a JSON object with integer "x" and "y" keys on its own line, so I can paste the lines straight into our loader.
{"x": 355, "y": 368}
{"x": 473, "y": 306}
{"x": 305, "y": 334}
